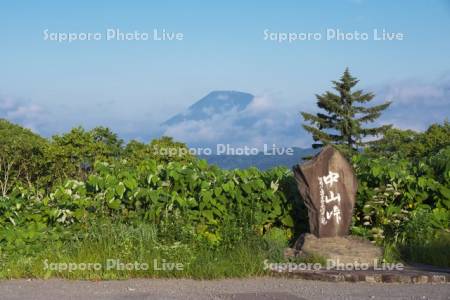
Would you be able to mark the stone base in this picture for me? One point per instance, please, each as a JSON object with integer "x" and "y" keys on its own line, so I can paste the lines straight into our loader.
{"x": 343, "y": 250}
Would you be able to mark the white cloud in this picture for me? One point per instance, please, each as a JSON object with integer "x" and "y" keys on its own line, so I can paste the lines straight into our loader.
{"x": 260, "y": 104}
{"x": 22, "y": 112}
{"x": 411, "y": 92}
{"x": 416, "y": 104}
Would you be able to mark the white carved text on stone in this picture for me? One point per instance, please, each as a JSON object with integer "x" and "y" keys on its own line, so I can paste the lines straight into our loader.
{"x": 326, "y": 182}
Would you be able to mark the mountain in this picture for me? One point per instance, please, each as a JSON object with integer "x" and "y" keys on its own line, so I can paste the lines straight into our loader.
{"x": 239, "y": 119}
{"x": 215, "y": 103}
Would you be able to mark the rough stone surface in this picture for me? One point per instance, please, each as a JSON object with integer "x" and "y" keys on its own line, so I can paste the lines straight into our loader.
{"x": 328, "y": 186}
{"x": 345, "y": 250}
{"x": 407, "y": 276}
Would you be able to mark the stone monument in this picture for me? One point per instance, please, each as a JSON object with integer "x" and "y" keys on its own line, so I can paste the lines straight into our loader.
{"x": 328, "y": 187}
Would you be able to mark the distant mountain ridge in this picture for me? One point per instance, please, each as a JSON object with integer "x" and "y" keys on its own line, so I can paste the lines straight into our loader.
{"x": 260, "y": 161}
{"x": 216, "y": 102}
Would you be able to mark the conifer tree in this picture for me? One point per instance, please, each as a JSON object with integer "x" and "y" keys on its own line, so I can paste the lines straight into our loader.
{"x": 345, "y": 113}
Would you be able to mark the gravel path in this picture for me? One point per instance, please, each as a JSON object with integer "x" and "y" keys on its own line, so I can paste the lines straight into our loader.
{"x": 256, "y": 288}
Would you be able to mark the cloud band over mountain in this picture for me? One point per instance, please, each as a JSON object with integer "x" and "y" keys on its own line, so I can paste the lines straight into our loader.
{"x": 237, "y": 118}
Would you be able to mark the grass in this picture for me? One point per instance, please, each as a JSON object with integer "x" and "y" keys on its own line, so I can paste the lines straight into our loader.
{"x": 423, "y": 244}
{"x": 143, "y": 243}
{"x": 173, "y": 251}
{"x": 433, "y": 252}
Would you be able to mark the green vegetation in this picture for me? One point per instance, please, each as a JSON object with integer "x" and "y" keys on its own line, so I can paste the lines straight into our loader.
{"x": 136, "y": 203}
{"x": 21, "y": 156}
{"x": 404, "y": 194}
{"x": 85, "y": 197}
{"x": 198, "y": 198}
{"x": 143, "y": 243}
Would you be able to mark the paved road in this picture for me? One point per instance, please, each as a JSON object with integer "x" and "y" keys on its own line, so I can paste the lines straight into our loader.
{"x": 245, "y": 289}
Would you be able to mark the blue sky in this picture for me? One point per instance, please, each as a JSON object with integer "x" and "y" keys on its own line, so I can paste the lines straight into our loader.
{"x": 132, "y": 86}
